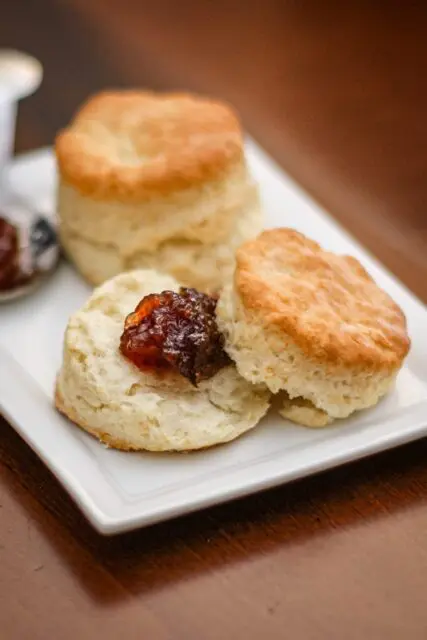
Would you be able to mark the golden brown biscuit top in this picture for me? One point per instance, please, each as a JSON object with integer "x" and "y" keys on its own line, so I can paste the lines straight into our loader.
{"x": 328, "y": 304}
{"x": 134, "y": 144}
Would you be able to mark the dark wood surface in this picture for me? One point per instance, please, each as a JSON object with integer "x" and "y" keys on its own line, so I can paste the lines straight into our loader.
{"x": 336, "y": 92}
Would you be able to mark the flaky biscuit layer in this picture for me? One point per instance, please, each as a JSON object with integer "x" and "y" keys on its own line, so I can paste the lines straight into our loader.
{"x": 204, "y": 266}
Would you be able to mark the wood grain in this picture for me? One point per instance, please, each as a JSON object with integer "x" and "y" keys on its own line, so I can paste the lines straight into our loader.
{"x": 336, "y": 93}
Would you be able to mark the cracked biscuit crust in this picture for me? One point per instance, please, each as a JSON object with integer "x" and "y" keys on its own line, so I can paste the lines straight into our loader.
{"x": 129, "y": 145}
{"x": 327, "y": 304}
{"x": 106, "y": 395}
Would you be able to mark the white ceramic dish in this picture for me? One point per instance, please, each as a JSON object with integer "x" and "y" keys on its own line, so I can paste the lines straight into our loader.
{"x": 120, "y": 491}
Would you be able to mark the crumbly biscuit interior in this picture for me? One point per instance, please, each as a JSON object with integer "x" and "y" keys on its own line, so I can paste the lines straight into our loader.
{"x": 105, "y": 394}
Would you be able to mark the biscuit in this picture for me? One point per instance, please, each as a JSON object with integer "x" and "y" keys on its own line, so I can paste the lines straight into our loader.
{"x": 303, "y": 412}
{"x": 312, "y": 323}
{"x": 139, "y": 171}
{"x": 203, "y": 266}
{"x": 106, "y": 395}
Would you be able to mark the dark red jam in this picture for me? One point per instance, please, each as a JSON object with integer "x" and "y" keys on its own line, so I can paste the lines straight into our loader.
{"x": 9, "y": 255}
{"x": 175, "y": 331}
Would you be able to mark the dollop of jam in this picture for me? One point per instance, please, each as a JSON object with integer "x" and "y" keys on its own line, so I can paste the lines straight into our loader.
{"x": 175, "y": 331}
{"x": 9, "y": 255}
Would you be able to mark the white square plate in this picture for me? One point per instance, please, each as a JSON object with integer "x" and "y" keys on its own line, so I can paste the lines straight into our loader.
{"x": 121, "y": 491}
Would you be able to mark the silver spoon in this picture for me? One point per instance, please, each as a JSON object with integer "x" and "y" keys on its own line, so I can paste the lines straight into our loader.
{"x": 39, "y": 250}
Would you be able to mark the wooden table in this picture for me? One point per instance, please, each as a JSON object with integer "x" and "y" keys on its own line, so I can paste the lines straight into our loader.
{"x": 336, "y": 91}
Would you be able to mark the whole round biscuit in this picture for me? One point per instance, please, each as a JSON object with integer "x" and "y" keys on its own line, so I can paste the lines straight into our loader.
{"x": 315, "y": 324}
{"x": 155, "y": 181}
{"x": 105, "y": 394}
